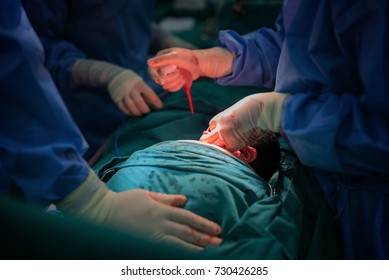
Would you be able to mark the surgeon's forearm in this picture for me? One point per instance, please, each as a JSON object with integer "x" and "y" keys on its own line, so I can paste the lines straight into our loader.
{"x": 214, "y": 62}
{"x": 94, "y": 72}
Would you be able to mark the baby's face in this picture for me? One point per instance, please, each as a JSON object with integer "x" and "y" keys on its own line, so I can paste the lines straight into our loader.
{"x": 247, "y": 154}
{"x": 211, "y": 136}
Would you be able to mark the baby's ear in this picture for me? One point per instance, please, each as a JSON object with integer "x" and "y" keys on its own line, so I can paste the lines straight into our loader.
{"x": 248, "y": 154}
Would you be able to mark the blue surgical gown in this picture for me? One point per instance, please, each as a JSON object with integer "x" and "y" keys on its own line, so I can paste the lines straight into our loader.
{"x": 332, "y": 56}
{"x": 115, "y": 31}
{"x": 40, "y": 145}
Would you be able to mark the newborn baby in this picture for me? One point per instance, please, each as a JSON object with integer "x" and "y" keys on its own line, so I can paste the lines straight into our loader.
{"x": 219, "y": 185}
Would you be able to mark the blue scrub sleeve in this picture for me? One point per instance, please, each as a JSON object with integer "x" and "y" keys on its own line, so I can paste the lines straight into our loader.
{"x": 40, "y": 145}
{"x": 348, "y": 132}
{"x": 257, "y": 54}
{"x": 49, "y": 19}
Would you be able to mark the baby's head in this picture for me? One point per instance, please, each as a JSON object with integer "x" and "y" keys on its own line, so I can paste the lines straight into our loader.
{"x": 268, "y": 158}
{"x": 264, "y": 156}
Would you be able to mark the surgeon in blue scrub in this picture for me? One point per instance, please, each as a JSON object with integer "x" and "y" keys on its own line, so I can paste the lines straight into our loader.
{"x": 96, "y": 52}
{"x": 41, "y": 146}
{"x": 327, "y": 62}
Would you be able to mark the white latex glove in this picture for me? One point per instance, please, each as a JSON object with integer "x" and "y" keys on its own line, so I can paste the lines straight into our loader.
{"x": 132, "y": 95}
{"x": 126, "y": 88}
{"x": 246, "y": 121}
{"x": 149, "y": 214}
{"x": 212, "y": 63}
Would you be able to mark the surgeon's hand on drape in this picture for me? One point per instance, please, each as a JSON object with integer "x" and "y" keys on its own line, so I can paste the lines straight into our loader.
{"x": 247, "y": 120}
{"x": 214, "y": 62}
{"x": 150, "y": 214}
{"x": 126, "y": 88}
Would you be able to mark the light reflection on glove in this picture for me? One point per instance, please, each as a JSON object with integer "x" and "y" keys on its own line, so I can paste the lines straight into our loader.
{"x": 150, "y": 214}
{"x": 243, "y": 123}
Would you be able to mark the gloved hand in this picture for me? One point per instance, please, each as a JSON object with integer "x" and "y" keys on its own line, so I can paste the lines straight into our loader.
{"x": 243, "y": 123}
{"x": 132, "y": 95}
{"x": 150, "y": 214}
{"x": 214, "y": 62}
{"x": 126, "y": 88}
